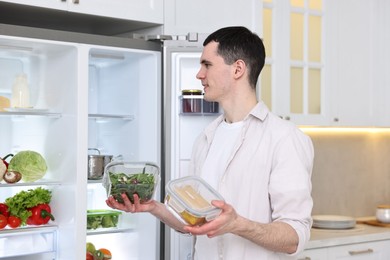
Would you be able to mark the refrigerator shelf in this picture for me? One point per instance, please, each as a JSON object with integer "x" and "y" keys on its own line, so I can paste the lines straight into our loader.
{"x": 30, "y": 113}
{"x": 28, "y": 241}
{"x": 7, "y": 232}
{"x": 25, "y": 184}
{"x": 95, "y": 181}
{"x": 106, "y": 117}
{"x": 199, "y": 114}
{"x": 109, "y": 231}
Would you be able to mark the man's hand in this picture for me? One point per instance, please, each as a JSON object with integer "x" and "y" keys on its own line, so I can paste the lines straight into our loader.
{"x": 224, "y": 223}
{"x": 131, "y": 207}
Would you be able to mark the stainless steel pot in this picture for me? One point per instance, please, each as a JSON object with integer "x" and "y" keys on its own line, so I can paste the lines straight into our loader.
{"x": 96, "y": 164}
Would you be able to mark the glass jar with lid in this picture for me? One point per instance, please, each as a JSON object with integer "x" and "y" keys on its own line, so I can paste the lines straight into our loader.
{"x": 192, "y": 101}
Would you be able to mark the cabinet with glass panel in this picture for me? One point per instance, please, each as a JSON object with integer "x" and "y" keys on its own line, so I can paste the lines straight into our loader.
{"x": 324, "y": 62}
{"x": 292, "y": 81}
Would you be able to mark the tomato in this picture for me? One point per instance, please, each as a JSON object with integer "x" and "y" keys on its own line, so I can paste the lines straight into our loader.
{"x": 3, "y": 221}
{"x": 89, "y": 256}
{"x": 14, "y": 222}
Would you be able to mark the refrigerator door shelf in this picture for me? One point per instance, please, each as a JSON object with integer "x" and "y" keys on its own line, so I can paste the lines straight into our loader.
{"x": 197, "y": 105}
{"x": 25, "y": 241}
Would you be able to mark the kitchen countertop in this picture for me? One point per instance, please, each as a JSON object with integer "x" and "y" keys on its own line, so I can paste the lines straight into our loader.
{"x": 361, "y": 233}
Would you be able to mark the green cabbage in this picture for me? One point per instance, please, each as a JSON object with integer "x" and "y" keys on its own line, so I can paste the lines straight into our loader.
{"x": 30, "y": 164}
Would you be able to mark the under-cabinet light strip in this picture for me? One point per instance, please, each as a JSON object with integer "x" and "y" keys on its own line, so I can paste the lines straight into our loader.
{"x": 345, "y": 130}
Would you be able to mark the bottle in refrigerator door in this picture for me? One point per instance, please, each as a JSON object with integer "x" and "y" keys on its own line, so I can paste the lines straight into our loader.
{"x": 20, "y": 92}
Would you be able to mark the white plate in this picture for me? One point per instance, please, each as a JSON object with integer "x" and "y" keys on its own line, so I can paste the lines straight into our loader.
{"x": 27, "y": 109}
{"x": 333, "y": 221}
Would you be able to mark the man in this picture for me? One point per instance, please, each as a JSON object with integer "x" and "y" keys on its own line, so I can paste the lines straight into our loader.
{"x": 258, "y": 162}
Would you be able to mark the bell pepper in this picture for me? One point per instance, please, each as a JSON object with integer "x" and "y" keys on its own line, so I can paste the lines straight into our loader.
{"x": 4, "y": 165}
{"x": 4, "y": 159}
{"x": 40, "y": 215}
{"x": 4, "y": 209}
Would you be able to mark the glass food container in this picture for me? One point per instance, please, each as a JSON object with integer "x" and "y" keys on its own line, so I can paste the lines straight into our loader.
{"x": 102, "y": 218}
{"x": 210, "y": 107}
{"x": 192, "y": 101}
{"x": 189, "y": 199}
{"x": 141, "y": 178}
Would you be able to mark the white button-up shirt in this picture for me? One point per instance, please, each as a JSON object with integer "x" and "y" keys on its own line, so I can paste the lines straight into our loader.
{"x": 267, "y": 178}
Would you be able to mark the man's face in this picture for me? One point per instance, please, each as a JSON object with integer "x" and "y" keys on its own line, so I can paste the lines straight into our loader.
{"x": 215, "y": 75}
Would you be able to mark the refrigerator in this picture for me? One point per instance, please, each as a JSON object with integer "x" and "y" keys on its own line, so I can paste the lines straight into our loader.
{"x": 120, "y": 95}
{"x": 181, "y": 126}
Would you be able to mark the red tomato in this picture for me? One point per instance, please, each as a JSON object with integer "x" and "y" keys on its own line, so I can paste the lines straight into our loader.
{"x": 14, "y": 222}
{"x": 3, "y": 221}
{"x": 89, "y": 256}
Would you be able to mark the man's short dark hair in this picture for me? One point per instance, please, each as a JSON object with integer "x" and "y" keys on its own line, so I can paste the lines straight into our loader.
{"x": 236, "y": 43}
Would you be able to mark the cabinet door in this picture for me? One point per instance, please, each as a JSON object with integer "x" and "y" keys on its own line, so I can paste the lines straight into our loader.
{"x": 143, "y": 11}
{"x": 54, "y": 4}
{"x": 350, "y": 62}
{"x": 150, "y": 11}
{"x": 203, "y": 16}
{"x": 363, "y": 251}
{"x": 296, "y": 69}
{"x": 314, "y": 254}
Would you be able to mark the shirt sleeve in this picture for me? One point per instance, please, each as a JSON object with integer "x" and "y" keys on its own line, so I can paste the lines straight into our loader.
{"x": 290, "y": 184}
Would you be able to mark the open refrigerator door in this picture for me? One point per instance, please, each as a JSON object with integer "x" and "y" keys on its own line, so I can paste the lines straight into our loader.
{"x": 185, "y": 118}
{"x": 86, "y": 91}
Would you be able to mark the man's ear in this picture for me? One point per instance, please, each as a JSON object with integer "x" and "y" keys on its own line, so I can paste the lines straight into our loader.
{"x": 239, "y": 68}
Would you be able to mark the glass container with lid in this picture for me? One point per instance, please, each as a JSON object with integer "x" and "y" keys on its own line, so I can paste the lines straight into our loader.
{"x": 192, "y": 101}
{"x": 189, "y": 199}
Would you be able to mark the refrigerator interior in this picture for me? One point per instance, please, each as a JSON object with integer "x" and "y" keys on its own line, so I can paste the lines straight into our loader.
{"x": 184, "y": 128}
{"x": 124, "y": 120}
{"x": 47, "y": 127}
{"x": 82, "y": 96}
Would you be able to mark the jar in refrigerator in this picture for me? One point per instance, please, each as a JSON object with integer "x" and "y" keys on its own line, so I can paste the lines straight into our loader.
{"x": 210, "y": 107}
{"x": 192, "y": 101}
{"x": 20, "y": 92}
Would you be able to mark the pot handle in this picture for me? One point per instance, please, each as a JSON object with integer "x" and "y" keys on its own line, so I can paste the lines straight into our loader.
{"x": 117, "y": 158}
{"x": 94, "y": 149}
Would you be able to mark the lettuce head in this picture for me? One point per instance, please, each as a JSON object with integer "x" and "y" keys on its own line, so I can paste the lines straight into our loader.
{"x": 30, "y": 164}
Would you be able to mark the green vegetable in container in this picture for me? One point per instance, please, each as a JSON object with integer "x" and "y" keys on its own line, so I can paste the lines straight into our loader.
{"x": 141, "y": 184}
{"x": 109, "y": 221}
{"x": 102, "y": 219}
{"x": 30, "y": 164}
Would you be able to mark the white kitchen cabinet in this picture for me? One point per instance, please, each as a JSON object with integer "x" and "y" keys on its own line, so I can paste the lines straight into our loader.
{"x": 381, "y": 64}
{"x": 54, "y": 4}
{"x": 354, "y": 83}
{"x": 376, "y": 250}
{"x": 314, "y": 254}
{"x": 203, "y": 16}
{"x": 297, "y": 62}
{"x": 350, "y": 63}
{"x": 150, "y": 11}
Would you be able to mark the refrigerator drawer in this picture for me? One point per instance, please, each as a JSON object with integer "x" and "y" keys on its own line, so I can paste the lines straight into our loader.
{"x": 28, "y": 241}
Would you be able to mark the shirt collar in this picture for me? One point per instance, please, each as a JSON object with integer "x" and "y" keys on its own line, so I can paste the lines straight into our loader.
{"x": 260, "y": 111}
